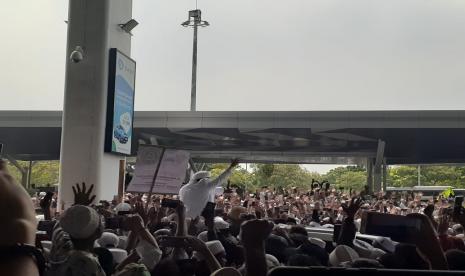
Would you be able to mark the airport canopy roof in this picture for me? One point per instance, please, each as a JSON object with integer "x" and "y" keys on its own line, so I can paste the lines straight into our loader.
{"x": 411, "y": 137}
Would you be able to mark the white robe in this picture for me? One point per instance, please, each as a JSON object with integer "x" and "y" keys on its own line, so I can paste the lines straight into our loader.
{"x": 197, "y": 193}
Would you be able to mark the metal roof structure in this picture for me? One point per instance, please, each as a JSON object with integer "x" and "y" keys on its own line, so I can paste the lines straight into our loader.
{"x": 329, "y": 137}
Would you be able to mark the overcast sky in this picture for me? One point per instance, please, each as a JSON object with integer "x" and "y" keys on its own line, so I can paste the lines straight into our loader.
{"x": 258, "y": 54}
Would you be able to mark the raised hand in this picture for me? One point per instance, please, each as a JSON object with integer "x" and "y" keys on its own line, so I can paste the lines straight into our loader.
{"x": 352, "y": 209}
{"x": 82, "y": 196}
{"x": 134, "y": 223}
{"x": 140, "y": 209}
{"x": 234, "y": 163}
{"x": 257, "y": 230}
{"x": 45, "y": 204}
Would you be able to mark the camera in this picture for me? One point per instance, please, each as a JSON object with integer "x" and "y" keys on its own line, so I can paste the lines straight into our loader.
{"x": 77, "y": 55}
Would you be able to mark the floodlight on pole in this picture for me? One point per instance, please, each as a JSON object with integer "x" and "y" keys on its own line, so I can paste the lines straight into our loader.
{"x": 194, "y": 20}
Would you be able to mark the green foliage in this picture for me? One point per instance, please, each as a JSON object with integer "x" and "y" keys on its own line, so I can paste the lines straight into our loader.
{"x": 288, "y": 176}
{"x": 350, "y": 177}
{"x": 403, "y": 176}
{"x": 430, "y": 175}
{"x": 441, "y": 176}
{"x": 240, "y": 177}
{"x": 43, "y": 172}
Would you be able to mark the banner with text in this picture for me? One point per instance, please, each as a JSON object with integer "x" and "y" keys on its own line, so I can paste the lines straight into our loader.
{"x": 170, "y": 175}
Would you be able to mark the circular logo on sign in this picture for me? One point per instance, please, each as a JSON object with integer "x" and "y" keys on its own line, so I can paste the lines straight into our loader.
{"x": 120, "y": 64}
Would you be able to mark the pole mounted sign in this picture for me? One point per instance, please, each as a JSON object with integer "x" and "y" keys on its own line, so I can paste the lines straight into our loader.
{"x": 120, "y": 105}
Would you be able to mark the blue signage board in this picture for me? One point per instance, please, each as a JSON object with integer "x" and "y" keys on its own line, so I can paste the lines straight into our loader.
{"x": 120, "y": 104}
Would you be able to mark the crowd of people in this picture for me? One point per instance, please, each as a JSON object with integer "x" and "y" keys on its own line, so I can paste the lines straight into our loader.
{"x": 208, "y": 230}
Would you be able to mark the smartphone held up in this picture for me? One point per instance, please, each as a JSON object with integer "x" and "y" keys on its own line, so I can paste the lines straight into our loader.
{"x": 397, "y": 227}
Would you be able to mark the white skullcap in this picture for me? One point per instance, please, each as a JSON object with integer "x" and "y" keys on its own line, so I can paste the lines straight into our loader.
{"x": 342, "y": 253}
{"x": 108, "y": 240}
{"x": 203, "y": 236}
{"x": 271, "y": 261}
{"x": 318, "y": 242}
{"x": 80, "y": 221}
{"x": 123, "y": 207}
{"x": 220, "y": 224}
{"x": 215, "y": 247}
{"x": 200, "y": 175}
{"x": 42, "y": 193}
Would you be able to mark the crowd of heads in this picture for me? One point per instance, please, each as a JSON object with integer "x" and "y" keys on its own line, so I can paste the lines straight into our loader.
{"x": 207, "y": 230}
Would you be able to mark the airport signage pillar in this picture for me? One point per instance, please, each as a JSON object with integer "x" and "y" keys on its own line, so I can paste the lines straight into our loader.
{"x": 93, "y": 28}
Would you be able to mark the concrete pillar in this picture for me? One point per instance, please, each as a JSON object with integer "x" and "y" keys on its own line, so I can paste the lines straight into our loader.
{"x": 377, "y": 177}
{"x": 370, "y": 175}
{"x": 93, "y": 25}
{"x": 385, "y": 175}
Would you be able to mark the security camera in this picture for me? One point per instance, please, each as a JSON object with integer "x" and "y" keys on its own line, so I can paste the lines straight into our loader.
{"x": 77, "y": 55}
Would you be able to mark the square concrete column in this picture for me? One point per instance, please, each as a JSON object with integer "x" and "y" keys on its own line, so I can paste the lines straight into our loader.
{"x": 370, "y": 174}
{"x": 377, "y": 177}
{"x": 92, "y": 25}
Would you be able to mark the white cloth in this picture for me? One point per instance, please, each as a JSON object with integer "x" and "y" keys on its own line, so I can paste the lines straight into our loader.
{"x": 149, "y": 254}
{"x": 318, "y": 242}
{"x": 203, "y": 236}
{"x": 342, "y": 253}
{"x": 118, "y": 254}
{"x": 198, "y": 192}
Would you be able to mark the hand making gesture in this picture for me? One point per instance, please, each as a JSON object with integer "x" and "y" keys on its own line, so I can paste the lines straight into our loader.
{"x": 82, "y": 196}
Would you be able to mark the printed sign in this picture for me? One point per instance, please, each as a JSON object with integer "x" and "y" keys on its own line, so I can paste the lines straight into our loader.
{"x": 170, "y": 175}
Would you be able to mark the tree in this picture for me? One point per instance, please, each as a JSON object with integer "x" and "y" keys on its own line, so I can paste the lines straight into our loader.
{"x": 350, "y": 177}
{"x": 240, "y": 177}
{"x": 352, "y": 180}
{"x": 441, "y": 176}
{"x": 403, "y": 176}
{"x": 43, "y": 172}
{"x": 431, "y": 175}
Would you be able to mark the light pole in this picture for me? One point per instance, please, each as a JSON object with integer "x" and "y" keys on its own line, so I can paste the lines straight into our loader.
{"x": 194, "y": 20}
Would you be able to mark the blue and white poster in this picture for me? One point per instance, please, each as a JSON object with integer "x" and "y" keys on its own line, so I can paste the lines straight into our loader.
{"x": 120, "y": 109}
